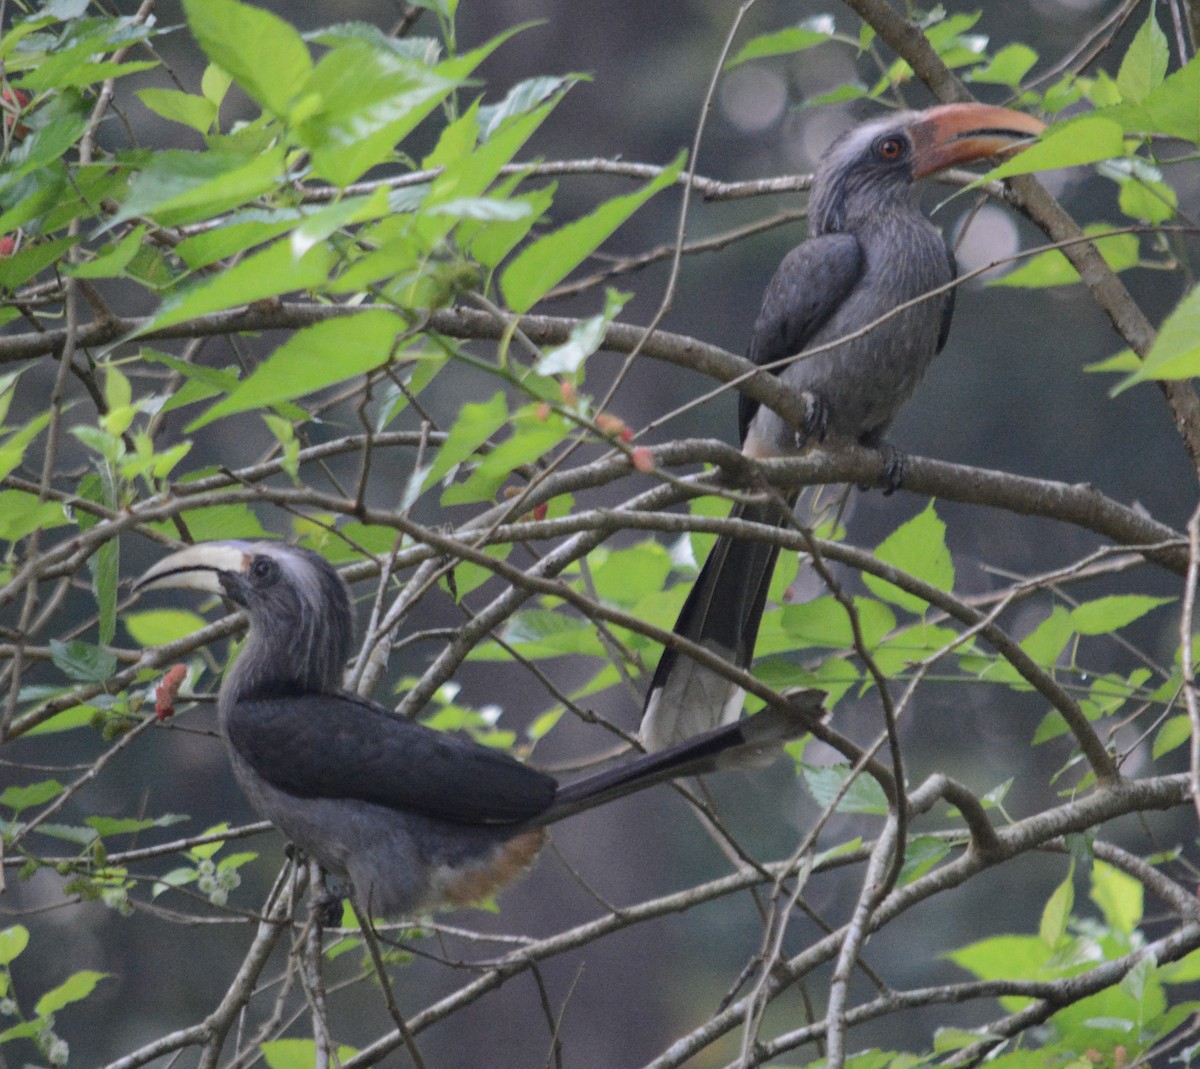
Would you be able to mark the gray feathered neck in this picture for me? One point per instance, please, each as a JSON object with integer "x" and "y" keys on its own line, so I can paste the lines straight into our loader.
{"x": 301, "y": 624}
{"x": 850, "y": 187}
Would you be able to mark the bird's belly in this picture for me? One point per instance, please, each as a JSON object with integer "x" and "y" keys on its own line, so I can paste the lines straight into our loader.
{"x": 865, "y": 379}
{"x": 398, "y": 863}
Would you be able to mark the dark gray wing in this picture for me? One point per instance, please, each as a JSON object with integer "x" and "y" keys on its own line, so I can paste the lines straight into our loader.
{"x": 810, "y": 284}
{"x": 337, "y": 746}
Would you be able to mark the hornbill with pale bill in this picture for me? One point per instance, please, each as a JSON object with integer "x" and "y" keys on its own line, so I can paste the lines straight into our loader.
{"x": 852, "y": 317}
{"x": 413, "y": 818}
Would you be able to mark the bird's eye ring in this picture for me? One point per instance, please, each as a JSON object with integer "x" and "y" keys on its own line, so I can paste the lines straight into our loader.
{"x": 890, "y": 148}
{"x": 262, "y": 569}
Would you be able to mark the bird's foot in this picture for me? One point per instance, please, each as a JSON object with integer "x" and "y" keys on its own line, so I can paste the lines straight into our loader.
{"x": 327, "y": 905}
{"x": 893, "y": 468}
{"x": 816, "y": 420}
{"x": 894, "y": 464}
{"x": 327, "y": 909}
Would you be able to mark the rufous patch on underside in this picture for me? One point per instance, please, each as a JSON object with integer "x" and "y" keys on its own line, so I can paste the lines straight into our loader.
{"x": 508, "y": 862}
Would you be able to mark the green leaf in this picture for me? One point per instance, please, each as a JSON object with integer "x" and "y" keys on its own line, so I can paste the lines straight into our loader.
{"x": 81, "y": 74}
{"x": 917, "y": 547}
{"x": 1175, "y": 353}
{"x": 475, "y": 424}
{"x": 1145, "y": 64}
{"x": 24, "y": 1030}
{"x": 1125, "y": 360}
{"x": 1006, "y": 67}
{"x": 782, "y": 43}
{"x": 1174, "y": 733}
{"x": 208, "y": 850}
{"x": 544, "y": 633}
{"x": 426, "y": 50}
{"x": 302, "y": 364}
{"x": 60, "y": 124}
{"x": 269, "y": 273}
{"x": 18, "y": 798}
{"x": 74, "y": 989}
{"x": 521, "y": 99}
{"x": 1172, "y": 108}
{"x": 1057, "y": 911}
{"x": 1105, "y": 615}
{"x": 1148, "y": 199}
{"x": 468, "y": 171}
{"x": 863, "y": 795}
{"x": 198, "y": 112}
{"x": 12, "y": 941}
{"x": 1052, "y": 268}
{"x": 105, "y": 568}
{"x": 550, "y": 259}
{"x": 1119, "y": 897}
{"x": 626, "y": 576}
{"x": 1103, "y": 91}
{"x": 1134, "y": 983}
{"x": 1005, "y": 957}
{"x": 219, "y": 521}
{"x": 851, "y": 91}
{"x": 489, "y": 243}
{"x": 1184, "y": 971}
{"x": 131, "y": 825}
{"x": 1046, "y": 642}
{"x": 824, "y": 622}
{"x": 531, "y": 439}
{"x": 31, "y": 261}
{"x": 469, "y": 576}
{"x": 22, "y": 513}
{"x": 920, "y": 855}
{"x": 178, "y": 187}
{"x": 214, "y": 84}
{"x": 359, "y": 103}
{"x": 298, "y": 1053}
{"x": 82, "y": 661}
{"x": 113, "y": 260}
{"x": 947, "y": 1040}
{"x": 238, "y": 233}
{"x": 159, "y": 627}
{"x": 1086, "y": 140}
{"x": 586, "y": 337}
{"x": 12, "y": 451}
{"x": 264, "y": 54}
{"x": 78, "y": 716}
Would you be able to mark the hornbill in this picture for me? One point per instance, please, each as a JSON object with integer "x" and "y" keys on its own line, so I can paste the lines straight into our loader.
{"x": 871, "y": 253}
{"x": 413, "y": 818}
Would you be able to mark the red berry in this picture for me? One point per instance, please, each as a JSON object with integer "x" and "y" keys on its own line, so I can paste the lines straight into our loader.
{"x": 167, "y": 689}
{"x": 610, "y": 424}
{"x": 14, "y": 101}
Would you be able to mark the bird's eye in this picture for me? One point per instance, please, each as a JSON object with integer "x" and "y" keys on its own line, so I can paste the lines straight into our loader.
{"x": 890, "y": 148}
{"x": 263, "y": 570}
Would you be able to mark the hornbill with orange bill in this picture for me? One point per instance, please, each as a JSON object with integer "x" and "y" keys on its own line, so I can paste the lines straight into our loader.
{"x": 852, "y": 317}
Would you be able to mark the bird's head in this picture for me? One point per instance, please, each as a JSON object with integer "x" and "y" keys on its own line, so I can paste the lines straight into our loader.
{"x": 875, "y": 164}
{"x": 301, "y": 624}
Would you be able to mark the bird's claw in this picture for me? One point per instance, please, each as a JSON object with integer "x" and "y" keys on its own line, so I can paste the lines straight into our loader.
{"x": 816, "y": 420}
{"x": 327, "y": 910}
{"x": 894, "y": 463}
{"x": 327, "y": 906}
